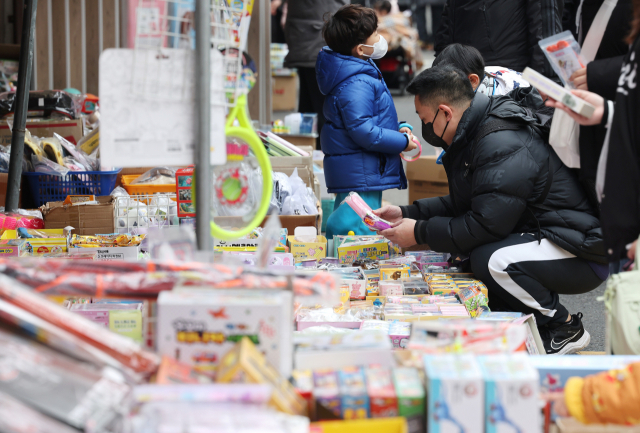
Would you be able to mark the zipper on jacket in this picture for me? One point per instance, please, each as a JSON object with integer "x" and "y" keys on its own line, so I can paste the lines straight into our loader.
{"x": 383, "y": 163}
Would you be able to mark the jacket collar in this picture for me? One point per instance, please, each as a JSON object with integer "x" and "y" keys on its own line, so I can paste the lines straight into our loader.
{"x": 471, "y": 119}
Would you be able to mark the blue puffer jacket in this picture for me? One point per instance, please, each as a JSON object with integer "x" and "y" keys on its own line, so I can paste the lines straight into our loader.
{"x": 360, "y": 140}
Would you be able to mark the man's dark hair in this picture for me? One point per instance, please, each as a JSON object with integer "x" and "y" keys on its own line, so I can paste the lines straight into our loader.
{"x": 383, "y": 6}
{"x": 351, "y": 25}
{"x": 442, "y": 85}
{"x": 464, "y": 57}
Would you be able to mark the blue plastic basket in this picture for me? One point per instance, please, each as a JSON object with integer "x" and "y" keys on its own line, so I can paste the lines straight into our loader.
{"x": 47, "y": 188}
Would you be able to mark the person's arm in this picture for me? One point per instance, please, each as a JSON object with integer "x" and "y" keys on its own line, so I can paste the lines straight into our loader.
{"x": 602, "y": 76}
{"x": 427, "y": 208}
{"x": 500, "y": 188}
{"x": 611, "y": 397}
{"x": 356, "y": 103}
{"x": 444, "y": 34}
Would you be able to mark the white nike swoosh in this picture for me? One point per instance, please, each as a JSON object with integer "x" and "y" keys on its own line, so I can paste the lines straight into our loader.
{"x": 560, "y": 344}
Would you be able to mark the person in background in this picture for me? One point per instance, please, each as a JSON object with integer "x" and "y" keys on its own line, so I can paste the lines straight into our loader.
{"x": 513, "y": 207}
{"x": 506, "y": 32}
{"x": 277, "y": 31}
{"x": 362, "y": 139}
{"x": 420, "y": 18}
{"x": 303, "y": 33}
{"x": 396, "y": 29}
{"x": 610, "y": 397}
{"x": 620, "y": 207}
{"x": 600, "y": 76}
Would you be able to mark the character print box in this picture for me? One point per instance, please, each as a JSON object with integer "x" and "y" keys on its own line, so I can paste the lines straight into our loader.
{"x": 184, "y": 180}
{"x": 199, "y": 326}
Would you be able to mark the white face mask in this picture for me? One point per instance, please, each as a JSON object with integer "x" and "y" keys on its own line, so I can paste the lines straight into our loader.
{"x": 379, "y": 48}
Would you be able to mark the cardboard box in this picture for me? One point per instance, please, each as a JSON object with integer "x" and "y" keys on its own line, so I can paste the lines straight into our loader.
{"x": 511, "y": 393}
{"x": 304, "y": 250}
{"x": 572, "y": 425}
{"x": 198, "y": 326}
{"x": 426, "y": 179}
{"x": 455, "y": 393}
{"x": 383, "y": 402}
{"x": 70, "y": 129}
{"x": 411, "y": 399}
{"x": 287, "y": 164}
{"x": 285, "y": 93}
{"x": 87, "y": 220}
{"x": 301, "y": 140}
{"x": 109, "y": 254}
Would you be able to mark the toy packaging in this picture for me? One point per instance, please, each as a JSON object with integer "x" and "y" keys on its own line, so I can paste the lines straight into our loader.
{"x": 197, "y": 325}
{"x": 244, "y": 362}
{"x": 383, "y": 402}
{"x": 558, "y": 92}
{"x": 350, "y": 249}
{"x": 455, "y": 389}
{"x": 353, "y": 390}
{"x": 411, "y": 398}
{"x": 554, "y": 371}
{"x": 563, "y": 53}
{"x": 327, "y": 393}
{"x": 15, "y": 248}
{"x": 391, "y": 272}
{"x": 474, "y": 300}
{"x": 511, "y": 393}
{"x": 184, "y": 180}
{"x": 363, "y": 210}
{"x": 306, "y": 244}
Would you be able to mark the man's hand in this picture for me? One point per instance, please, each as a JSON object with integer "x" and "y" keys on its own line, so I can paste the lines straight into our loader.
{"x": 275, "y": 4}
{"x": 579, "y": 79}
{"x": 631, "y": 253}
{"x": 593, "y": 99}
{"x": 401, "y": 233}
{"x": 392, "y": 214}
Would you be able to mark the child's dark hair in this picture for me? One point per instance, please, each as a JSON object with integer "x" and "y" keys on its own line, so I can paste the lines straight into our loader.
{"x": 464, "y": 57}
{"x": 382, "y": 6}
{"x": 351, "y": 25}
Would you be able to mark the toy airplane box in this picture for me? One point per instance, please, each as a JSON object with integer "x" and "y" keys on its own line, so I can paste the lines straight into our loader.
{"x": 455, "y": 394}
{"x": 511, "y": 394}
{"x": 554, "y": 371}
{"x": 198, "y": 325}
{"x": 306, "y": 244}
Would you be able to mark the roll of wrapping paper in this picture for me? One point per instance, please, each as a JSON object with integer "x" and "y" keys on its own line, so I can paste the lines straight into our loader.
{"x": 121, "y": 348}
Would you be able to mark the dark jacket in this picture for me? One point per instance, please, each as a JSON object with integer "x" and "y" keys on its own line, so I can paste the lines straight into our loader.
{"x": 620, "y": 211}
{"x": 602, "y": 73}
{"x": 506, "y": 32}
{"x": 495, "y": 184}
{"x": 360, "y": 140}
{"x": 303, "y": 30}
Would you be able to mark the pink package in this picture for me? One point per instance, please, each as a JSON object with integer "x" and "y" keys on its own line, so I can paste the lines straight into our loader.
{"x": 363, "y": 210}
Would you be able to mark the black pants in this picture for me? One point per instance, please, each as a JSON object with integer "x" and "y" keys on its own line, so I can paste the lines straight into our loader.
{"x": 522, "y": 275}
{"x": 310, "y": 99}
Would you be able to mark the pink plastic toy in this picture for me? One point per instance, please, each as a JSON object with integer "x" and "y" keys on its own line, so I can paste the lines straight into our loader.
{"x": 363, "y": 210}
{"x": 414, "y": 154}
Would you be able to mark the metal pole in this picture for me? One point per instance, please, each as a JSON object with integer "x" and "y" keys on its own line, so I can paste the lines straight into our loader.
{"x": 264, "y": 65}
{"x": 21, "y": 104}
{"x": 203, "y": 124}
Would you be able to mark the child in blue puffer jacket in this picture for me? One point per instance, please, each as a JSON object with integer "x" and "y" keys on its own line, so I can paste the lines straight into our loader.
{"x": 362, "y": 139}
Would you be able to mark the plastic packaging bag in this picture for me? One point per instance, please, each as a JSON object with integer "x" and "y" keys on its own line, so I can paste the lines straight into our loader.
{"x": 157, "y": 176}
{"x": 42, "y": 103}
{"x": 281, "y": 190}
{"x": 78, "y": 155}
{"x": 302, "y": 201}
{"x": 46, "y": 166}
{"x": 363, "y": 210}
{"x": 563, "y": 52}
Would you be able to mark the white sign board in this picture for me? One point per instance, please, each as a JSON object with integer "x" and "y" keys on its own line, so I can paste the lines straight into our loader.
{"x": 148, "y": 108}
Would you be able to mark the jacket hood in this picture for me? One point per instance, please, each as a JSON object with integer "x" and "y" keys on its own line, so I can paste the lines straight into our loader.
{"x": 333, "y": 68}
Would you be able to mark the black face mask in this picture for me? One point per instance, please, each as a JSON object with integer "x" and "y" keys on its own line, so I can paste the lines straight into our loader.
{"x": 431, "y": 137}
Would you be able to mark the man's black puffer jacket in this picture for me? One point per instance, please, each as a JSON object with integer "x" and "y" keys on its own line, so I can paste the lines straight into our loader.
{"x": 494, "y": 187}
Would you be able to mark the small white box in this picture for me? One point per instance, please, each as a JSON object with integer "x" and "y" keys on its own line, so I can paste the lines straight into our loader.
{"x": 511, "y": 394}
{"x": 455, "y": 393}
{"x": 558, "y": 92}
{"x": 110, "y": 254}
{"x": 198, "y": 326}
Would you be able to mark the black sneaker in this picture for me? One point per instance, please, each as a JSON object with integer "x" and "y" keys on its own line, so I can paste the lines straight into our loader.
{"x": 566, "y": 338}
